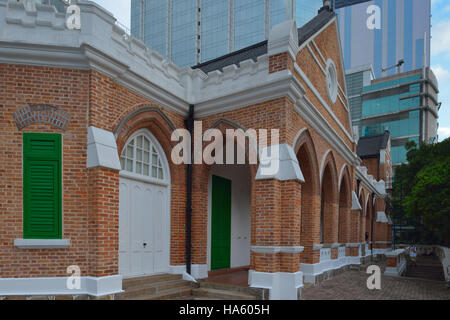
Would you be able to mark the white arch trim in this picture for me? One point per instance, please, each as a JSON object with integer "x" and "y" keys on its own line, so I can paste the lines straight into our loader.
{"x": 360, "y": 190}
{"x": 366, "y": 202}
{"x": 341, "y": 176}
{"x": 297, "y": 137}
{"x": 322, "y": 167}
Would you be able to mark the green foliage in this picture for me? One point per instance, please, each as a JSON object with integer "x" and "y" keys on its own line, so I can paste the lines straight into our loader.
{"x": 421, "y": 195}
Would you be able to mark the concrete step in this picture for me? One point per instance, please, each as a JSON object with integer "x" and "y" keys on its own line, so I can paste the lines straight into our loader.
{"x": 157, "y": 287}
{"x": 183, "y": 293}
{"x": 133, "y": 282}
{"x": 258, "y": 294}
{"x": 207, "y": 293}
{"x": 153, "y": 288}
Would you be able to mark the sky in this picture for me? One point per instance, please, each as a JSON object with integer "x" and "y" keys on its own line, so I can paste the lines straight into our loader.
{"x": 440, "y": 50}
{"x": 120, "y": 9}
{"x": 440, "y": 60}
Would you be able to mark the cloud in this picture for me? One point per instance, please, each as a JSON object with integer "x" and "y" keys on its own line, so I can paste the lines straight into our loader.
{"x": 435, "y": 2}
{"x": 119, "y": 8}
{"x": 443, "y": 75}
{"x": 444, "y": 133}
{"x": 440, "y": 42}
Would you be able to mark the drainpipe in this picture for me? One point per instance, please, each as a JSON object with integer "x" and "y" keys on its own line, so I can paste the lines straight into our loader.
{"x": 371, "y": 225}
{"x": 189, "y": 126}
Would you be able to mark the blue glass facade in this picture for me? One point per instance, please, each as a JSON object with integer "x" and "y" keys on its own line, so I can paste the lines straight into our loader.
{"x": 137, "y": 7}
{"x": 215, "y": 26}
{"x": 404, "y": 33}
{"x": 395, "y": 110}
{"x": 184, "y": 32}
{"x": 348, "y": 36}
{"x": 190, "y": 34}
{"x": 305, "y": 10}
{"x": 280, "y": 10}
{"x": 249, "y": 23}
{"x": 392, "y": 36}
{"x": 156, "y": 25}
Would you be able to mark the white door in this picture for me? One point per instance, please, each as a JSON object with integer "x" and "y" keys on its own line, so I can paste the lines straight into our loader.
{"x": 143, "y": 248}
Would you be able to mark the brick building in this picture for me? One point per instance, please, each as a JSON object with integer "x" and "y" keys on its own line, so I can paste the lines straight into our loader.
{"x": 87, "y": 118}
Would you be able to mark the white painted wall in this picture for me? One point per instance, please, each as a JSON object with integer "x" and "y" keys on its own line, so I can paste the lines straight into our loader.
{"x": 240, "y": 212}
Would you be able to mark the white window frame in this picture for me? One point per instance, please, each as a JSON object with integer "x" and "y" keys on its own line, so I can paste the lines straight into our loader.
{"x": 161, "y": 157}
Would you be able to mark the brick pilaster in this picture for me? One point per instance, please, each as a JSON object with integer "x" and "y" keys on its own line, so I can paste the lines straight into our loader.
{"x": 103, "y": 222}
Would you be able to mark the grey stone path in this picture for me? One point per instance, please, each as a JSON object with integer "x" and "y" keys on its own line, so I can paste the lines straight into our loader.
{"x": 352, "y": 285}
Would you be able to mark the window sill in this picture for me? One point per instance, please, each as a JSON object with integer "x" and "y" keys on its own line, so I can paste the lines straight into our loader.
{"x": 42, "y": 243}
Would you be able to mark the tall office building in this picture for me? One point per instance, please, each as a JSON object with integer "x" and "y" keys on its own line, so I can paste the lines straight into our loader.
{"x": 405, "y": 104}
{"x": 60, "y": 5}
{"x": 403, "y": 33}
{"x": 193, "y": 31}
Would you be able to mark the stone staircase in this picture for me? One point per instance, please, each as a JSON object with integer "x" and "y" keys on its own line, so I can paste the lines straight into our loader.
{"x": 428, "y": 268}
{"x": 215, "y": 291}
{"x": 159, "y": 287}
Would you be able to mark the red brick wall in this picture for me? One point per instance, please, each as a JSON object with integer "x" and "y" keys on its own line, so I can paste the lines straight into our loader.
{"x": 91, "y": 99}
{"x": 68, "y": 89}
{"x": 90, "y": 197}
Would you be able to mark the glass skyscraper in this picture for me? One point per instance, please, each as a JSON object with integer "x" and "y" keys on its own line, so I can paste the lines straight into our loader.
{"x": 59, "y": 4}
{"x": 404, "y": 33}
{"x": 194, "y": 31}
{"x": 406, "y": 104}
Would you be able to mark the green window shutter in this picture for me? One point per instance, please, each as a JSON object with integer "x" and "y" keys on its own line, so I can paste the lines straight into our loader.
{"x": 42, "y": 186}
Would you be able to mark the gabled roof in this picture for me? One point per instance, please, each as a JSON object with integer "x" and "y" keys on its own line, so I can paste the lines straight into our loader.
{"x": 369, "y": 147}
{"x": 235, "y": 57}
{"x": 345, "y": 3}
{"x": 314, "y": 25}
{"x": 259, "y": 49}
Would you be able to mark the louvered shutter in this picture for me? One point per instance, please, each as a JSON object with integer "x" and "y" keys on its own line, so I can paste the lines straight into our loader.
{"x": 42, "y": 186}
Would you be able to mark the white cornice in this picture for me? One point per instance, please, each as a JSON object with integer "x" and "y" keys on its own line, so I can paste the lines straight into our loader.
{"x": 368, "y": 182}
{"x": 249, "y": 90}
{"x": 322, "y": 101}
{"x": 275, "y": 250}
{"x": 284, "y": 38}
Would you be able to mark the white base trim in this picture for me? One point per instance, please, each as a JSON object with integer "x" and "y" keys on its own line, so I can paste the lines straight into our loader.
{"x": 396, "y": 271}
{"x": 281, "y": 285}
{"x": 27, "y": 244}
{"x": 198, "y": 271}
{"x": 311, "y": 271}
{"x": 274, "y": 250}
{"x": 380, "y": 251}
{"x": 92, "y": 286}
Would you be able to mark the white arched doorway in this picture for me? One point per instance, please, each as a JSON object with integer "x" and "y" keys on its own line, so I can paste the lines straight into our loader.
{"x": 144, "y": 207}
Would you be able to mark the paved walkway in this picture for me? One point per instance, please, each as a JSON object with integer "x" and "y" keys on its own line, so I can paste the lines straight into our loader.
{"x": 352, "y": 285}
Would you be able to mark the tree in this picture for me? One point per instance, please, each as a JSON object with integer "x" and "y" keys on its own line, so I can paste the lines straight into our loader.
{"x": 421, "y": 195}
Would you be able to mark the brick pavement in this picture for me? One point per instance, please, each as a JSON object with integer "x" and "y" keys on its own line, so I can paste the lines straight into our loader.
{"x": 351, "y": 285}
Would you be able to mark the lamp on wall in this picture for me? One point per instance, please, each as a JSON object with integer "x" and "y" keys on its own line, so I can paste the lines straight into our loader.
{"x": 398, "y": 65}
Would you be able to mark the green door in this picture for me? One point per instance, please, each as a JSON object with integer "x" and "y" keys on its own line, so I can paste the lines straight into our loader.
{"x": 220, "y": 223}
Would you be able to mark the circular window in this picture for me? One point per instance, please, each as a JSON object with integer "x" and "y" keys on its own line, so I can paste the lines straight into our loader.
{"x": 332, "y": 84}
{"x": 140, "y": 156}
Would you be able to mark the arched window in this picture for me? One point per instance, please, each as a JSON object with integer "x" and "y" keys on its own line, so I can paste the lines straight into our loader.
{"x": 140, "y": 156}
